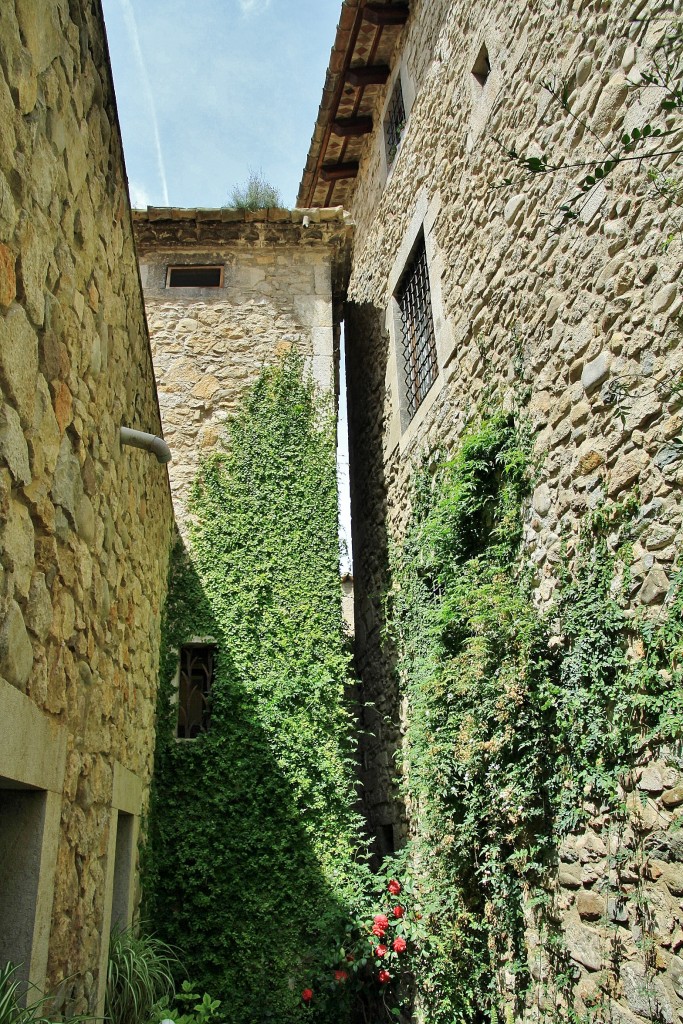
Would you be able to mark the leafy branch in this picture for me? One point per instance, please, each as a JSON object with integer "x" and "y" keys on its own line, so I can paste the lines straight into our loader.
{"x": 645, "y": 144}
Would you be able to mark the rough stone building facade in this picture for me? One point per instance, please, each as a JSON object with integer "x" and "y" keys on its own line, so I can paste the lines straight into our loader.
{"x": 264, "y": 282}
{"x": 85, "y": 524}
{"x": 415, "y": 98}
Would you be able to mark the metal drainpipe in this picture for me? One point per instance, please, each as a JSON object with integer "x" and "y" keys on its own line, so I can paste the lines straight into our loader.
{"x": 148, "y": 442}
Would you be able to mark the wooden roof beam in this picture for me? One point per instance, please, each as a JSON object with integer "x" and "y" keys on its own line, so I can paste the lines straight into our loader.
{"x": 335, "y": 172}
{"x": 386, "y": 14}
{"x": 351, "y": 127}
{"x": 369, "y": 74}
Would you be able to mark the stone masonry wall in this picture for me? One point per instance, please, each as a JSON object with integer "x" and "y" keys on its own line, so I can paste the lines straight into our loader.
{"x": 84, "y": 525}
{"x": 209, "y": 344}
{"x": 572, "y": 317}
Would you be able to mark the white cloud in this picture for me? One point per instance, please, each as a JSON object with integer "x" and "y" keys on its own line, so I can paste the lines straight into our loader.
{"x": 253, "y": 6}
{"x": 139, "y": 196}
{"x": 131, "y": 25}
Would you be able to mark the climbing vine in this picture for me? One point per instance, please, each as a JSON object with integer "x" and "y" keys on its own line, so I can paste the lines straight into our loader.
{"x": 256, "y": 850}
{"x": 519, "y": 722}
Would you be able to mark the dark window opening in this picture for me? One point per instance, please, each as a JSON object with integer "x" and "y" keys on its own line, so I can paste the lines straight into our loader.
{"x": 22, "y": 823}
{"x": 197, "y": 667}
{"x": 195, "y": 277}
{"x": 482, "y": 67}
{"x": 123, "y": 869}
{"x": 387, "y": 840}
{"x": 395, "y": 122}
{"x": 419, "y": 340}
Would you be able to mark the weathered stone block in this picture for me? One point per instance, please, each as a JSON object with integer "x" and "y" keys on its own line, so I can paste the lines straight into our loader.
{"x": 16, "y": 653}
{"x": 13, "y": 446}
{"x": 596, "y": 372}
{"x": 674, "y": 798}
{"x": 19, "y": 361}
{"x": 8, "y": 280}
{"x": 645, "y": 993}
{"x": 584, "y": 946}
{"x": 590, "y": 905}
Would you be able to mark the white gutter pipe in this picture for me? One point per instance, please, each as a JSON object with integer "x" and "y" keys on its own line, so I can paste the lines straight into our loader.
{"x": 148, "y": 442}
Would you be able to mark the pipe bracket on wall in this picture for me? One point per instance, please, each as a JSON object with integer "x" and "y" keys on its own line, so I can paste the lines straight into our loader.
{"x": 148, "y": 442}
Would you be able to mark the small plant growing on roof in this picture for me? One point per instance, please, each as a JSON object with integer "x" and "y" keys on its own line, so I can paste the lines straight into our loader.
{"x": 256, "y": 194}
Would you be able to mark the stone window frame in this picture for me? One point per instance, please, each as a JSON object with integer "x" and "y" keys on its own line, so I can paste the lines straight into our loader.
{"x": 195, "y": 266}
{"x": 400, "y": 73}
{"x": 127, "y": 790}
{"x": 33, "y": 757}
{"x": 403, "y": 428}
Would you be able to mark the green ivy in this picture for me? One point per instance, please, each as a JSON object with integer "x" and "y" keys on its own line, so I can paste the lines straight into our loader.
{"x": 515, "y": 718}
{"x": 256, "y": 854}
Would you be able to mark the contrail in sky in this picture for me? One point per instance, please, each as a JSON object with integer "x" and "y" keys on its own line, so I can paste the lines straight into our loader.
{"x": 131, "y": 25}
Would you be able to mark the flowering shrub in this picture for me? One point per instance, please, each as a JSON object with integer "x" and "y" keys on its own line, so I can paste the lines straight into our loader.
{"x": 375, "y": 961}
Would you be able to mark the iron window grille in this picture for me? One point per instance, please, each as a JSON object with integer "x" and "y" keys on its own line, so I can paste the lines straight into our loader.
{"x": 419, "y": 340}
{"x": 395, "y": 122}
{"x": 197, "y": 668}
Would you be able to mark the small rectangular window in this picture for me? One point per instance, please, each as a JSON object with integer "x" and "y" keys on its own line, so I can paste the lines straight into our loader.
{"x": 419, "y": 340}
{"x": 194, "y": 277}
{"x": 197, "y": 666}
{"x": 395, "y": 122}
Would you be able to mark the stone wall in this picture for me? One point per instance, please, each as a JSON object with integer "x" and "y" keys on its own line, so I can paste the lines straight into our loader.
{"x": 566, "y": 320}
{"x": 85, "y": 526}
{"x": 281, "y": 287}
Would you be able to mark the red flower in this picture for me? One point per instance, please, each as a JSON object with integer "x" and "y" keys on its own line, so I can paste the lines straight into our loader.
{"x": 340, "y": 976}
{"x": 398, "y": 911}
{"x": 307, "y": 995}
{"x": 383, "y": 977}
{"x": 399, "y": 944}
{"x": 381, "y": 950}
{"x": 349, "y": 958}
{"x": 381, "y": 920}
{"x": 394, "y": 887}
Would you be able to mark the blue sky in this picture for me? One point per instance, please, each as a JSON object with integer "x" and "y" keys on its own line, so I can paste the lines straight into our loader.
{"x": 209, "y": 89}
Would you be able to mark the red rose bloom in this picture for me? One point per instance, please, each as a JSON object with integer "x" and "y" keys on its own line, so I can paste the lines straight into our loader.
{"x": 379, "y": 932}
{"x": 381, "y": 920}
{"x": 383, "y": 977}
{"x": 399, "y": 945}
{"x": 398, "y": 911}
{"x": 381, "y": 950}
{"x": 394, "y": 887}
{"x": 340, "y": 976}
{"x": 307, "y": 995}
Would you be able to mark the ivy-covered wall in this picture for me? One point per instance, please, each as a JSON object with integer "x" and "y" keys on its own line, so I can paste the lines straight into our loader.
{"x": 255, "y": 841}
{"x": 545, "y": 874}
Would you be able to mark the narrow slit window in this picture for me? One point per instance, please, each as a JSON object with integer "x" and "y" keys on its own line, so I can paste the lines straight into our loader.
{"x": 194, "y": 277}
{"x": 419, "y": 340}
{"x": 197, "y": 669}
{"x": 482, "y": 67}
{"x": 395, "y": 122}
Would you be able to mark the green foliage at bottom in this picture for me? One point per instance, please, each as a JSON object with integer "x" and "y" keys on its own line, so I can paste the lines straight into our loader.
{"x": 140, "y": 973}
{"x": 518, "y": 722}
{"x": 19, "y": 1006}
{"x": 256, "y": 852}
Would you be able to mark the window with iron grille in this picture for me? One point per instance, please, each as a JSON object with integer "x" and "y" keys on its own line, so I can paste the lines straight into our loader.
{"x": 197, "y": 663}
{"x": 395, "y": 122}
{"x": 419, "y": 340}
